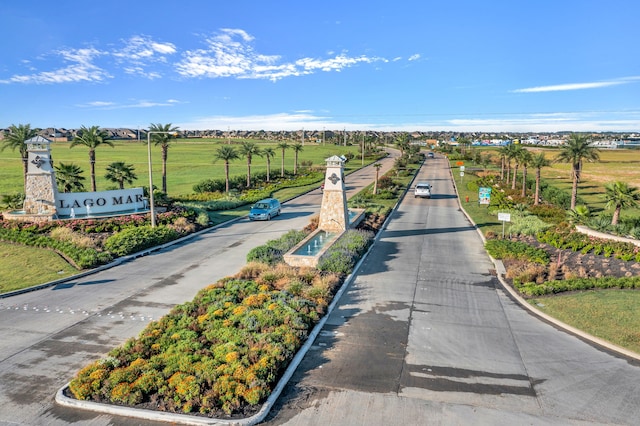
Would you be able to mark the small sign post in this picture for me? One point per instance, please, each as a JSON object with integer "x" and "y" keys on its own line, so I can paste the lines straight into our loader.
{"x": 504, "y": 217}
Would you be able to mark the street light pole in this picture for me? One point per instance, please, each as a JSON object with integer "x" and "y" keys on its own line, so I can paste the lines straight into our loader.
{"x": 151, "y": 206}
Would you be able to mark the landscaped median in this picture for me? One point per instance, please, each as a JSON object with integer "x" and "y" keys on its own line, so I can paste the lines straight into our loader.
{"x": 225, "y": 356}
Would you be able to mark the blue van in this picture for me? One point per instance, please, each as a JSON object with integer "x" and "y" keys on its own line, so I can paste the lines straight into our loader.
{"x": 265, "y": 209}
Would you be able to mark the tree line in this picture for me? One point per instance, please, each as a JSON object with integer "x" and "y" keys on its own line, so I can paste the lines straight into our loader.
{"x": 69, "y": 176}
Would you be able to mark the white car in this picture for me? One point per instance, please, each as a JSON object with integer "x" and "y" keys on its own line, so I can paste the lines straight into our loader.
{"x": 423, "y": 189}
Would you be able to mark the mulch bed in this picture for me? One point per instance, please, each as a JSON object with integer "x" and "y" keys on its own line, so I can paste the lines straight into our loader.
{"x": 571, "y": 264}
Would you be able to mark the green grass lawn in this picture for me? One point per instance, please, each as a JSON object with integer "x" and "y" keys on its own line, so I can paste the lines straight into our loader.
{"x": 614, "y": 164}
{"x": 36, "y": 266}
{"x": 611, "y": 315}
{"x": 189, "y": 161}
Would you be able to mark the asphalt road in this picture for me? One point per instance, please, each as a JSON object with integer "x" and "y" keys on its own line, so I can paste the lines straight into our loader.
{"x": 425, "y": 334}
{"x": 49, "y": 334}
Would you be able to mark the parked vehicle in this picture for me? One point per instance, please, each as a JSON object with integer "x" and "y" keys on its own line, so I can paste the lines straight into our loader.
{"x": 423, "y": 189}
{"x": 431, "y": 155}
{"x": 265, "y": 209}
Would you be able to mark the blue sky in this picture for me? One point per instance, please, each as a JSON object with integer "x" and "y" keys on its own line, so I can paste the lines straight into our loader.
{"x": 490, "y": 66}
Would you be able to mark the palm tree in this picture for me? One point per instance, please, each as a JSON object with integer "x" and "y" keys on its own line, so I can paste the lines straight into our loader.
{"x": 69, "y": 177}
{"x": 402, "y": 140}
{"x": 575, "y": 151}
{"x": 377, "y": 166}
{"x": 579, "y": 215}
{"x": 538, "y": 162}
{"x": 164, "y": 140}
{"x": 249, "y": 149}
{"x": 91, "y": 137}
{"x": 268, "y": 153}
{"x": 283, "y": 146}
{"x": 119, "y": 172}
{"x": 464, "y": 143}
{"x": 619, "y": 195}
{"x": 297, "y": 147}
{"x": 503, "y": 151}
{"x": 15, "y": 140}
{"x": 226, "y": 153}
{"x": 514, "y": 154}
{"x": 525, "y": 158}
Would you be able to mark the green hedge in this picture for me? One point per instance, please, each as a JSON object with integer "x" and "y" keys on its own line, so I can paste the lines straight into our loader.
{"x": 272, "y": 251}
{"x": 507, "y": 249}
{"x": 132, "y": 240}
{"x": 576, "y": 284}
{"x": 343, "y": 255}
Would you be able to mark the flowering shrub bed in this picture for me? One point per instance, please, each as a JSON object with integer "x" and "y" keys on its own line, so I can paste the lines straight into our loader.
{"x": 130, "y": 233}
{"x": 219, "y": 353}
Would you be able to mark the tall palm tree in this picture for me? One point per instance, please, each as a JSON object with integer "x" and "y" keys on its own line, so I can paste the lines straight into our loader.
{"x": 283, "y": 146}
{"x": 69, "y": 177}
{"x": 402, "y": 140}
{"x": 575, "y": 151}
{"x": 268, "y": 153}
{"x": 15, "y": 140}
{"x": 464, "y": 143}
{"x": 119, "y": 172}
{"x": 511, "y": 151}
{"x": 226, "y": 153}
{"x": 538, "y": 162}
{"x": 248, "y": 150}
{"x": 377, "y": 166}
{"x": 620, "y": 195}
{"x": 516, "y": 151}
{"x": 91, "y": 137}
{"x": 297, "y": 147}
{"x": 525, "y": 159}
{"x": 164, "y": 140}
{"x": 503, "y": 151}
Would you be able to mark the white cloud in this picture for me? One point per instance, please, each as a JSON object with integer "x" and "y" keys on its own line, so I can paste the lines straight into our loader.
{"x": 577, "y": 86}
{"x": 99, "y": 104}
{"x": 230, "y": 54}
{"x": 549, "y": 122}
{"x": 105, "y": 105}
{"x": 82, "y": 68}
{"x": 414, "y": 57}
{"x": 139, "y": 52}
{"x": 274, "y": 122}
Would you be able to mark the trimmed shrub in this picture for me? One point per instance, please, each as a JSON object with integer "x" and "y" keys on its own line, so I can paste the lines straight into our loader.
{"x": 507, "y": 249}
{"x": 136, "y": 239}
